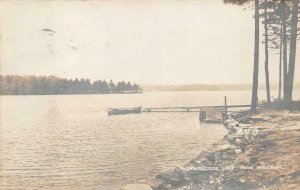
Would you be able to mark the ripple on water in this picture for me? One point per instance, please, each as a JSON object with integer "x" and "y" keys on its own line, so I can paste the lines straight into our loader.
{"x": 56, "y": 142}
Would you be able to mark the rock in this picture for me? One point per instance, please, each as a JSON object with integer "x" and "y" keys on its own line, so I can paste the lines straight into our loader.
{"x": 193, "y": 161}
{"x": 163, "y": 176}
{"x": 154, "y": 183}
{"x": 253, "y": 160}
{"x": 239, "y": 131}
{"x": 238, "y": 141}
{"x": 137, "y": 187}
{"x": 178, "y": 173}
{"x": 230, "y": 139}
{"x": 211, "y": 158}
{"x": 237, "y": 151}
{"x": 225, "y": 146}
{"x": 242, "y": 180}
{"x": 203, "y": 154}
{"x": 176, "y": 178}
{"x": 230, "y": 152}
{"x": 245, "y": 125}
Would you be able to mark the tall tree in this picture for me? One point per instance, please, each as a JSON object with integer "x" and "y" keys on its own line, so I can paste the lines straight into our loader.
{"x": 292, "y": 58}
{"x": 111, "y": 86}
{"x": 280, "y": 63}
{"x": 279, "y": 34}
{"x": 254, "y": 99}
{"x": 284, "y": 43}
{"x": 267, "y": 52}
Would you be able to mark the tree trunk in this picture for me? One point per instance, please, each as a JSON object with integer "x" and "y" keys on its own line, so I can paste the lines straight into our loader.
{"x": 280, "y": 63}
{"x": 293, "y": 43}
{"x": 256, "y": 59}
{"x": 267, "y": 55}
{"x": 284, "y": 41}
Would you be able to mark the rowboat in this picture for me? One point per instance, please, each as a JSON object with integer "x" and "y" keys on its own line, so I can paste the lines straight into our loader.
{"x": 122, "y": 111}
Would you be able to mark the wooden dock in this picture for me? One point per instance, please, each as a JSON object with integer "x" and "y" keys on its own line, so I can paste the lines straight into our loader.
{"x": 191, "y": 108}
{"x": 206, "y": 113}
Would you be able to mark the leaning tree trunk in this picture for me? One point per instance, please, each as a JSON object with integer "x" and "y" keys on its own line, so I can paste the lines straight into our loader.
{"x": 280, "y": 63}
{"x": 256, "y": 59}
{"x": 293, "y": 43}
{"x": 284, "y": 43}
{"x": 267, "y": 55}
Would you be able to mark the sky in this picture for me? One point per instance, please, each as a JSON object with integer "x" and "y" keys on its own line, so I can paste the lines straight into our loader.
{"x": 148, "y": 42}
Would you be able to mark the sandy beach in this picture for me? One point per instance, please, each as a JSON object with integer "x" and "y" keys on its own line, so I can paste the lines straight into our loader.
{"x": 260, "y": 151}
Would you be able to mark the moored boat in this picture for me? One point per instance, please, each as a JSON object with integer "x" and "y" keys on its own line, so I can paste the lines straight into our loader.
{"x": 122, "y": 111}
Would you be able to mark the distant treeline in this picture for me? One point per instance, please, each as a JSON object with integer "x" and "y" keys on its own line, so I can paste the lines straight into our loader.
{"x": 208, "y": 87}
{"x": 32, "y": 85}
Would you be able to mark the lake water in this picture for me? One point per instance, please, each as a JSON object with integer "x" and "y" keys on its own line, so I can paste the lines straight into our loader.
{"x": 69, "y": 142}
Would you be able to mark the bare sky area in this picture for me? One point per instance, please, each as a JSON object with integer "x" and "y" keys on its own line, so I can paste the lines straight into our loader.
{"x": 148, "y": 42}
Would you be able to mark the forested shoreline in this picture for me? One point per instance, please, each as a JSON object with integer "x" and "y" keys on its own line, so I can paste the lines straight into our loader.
{"x": 47, "y": 85}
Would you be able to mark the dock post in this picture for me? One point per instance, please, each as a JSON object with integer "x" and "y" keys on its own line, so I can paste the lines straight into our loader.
{"x": 224, "y": 113}
{"x": 202, "y": 115}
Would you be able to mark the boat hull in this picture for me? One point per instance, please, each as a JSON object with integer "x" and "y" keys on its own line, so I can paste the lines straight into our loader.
{"x": 123, "y": 111}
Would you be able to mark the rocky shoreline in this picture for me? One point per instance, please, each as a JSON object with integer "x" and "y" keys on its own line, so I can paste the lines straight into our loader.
{"x": 261, "y": 151}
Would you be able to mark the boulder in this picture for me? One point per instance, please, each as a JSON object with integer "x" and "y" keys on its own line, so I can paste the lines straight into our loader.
{"x": 154, "y": 183}
{"x": 163, "y": 176}
{"x": 178, "y": 173}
